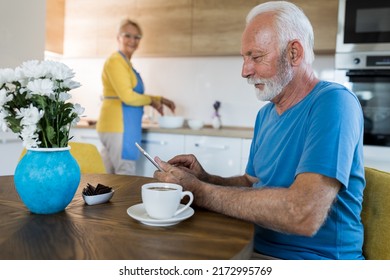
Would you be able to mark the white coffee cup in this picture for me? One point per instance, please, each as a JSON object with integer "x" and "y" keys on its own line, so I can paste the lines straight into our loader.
{"x": 162, "y": 200}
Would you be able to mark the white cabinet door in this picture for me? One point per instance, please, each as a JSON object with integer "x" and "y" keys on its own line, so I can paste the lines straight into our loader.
{"x": 218, "y": 155}
{"x": 86, "y": 135}
{"x": 245, "y": 148}
{"x": 377, "y": 157}
{"x": 163, "y": 145}
{"x": 10, "y": 149}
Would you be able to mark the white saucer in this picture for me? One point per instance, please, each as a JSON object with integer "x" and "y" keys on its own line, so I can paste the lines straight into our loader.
{"x": 138, "y": 213}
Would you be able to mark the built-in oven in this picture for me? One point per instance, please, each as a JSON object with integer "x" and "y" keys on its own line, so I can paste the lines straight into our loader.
{"x": 363, "y": 54}
{"x": 372, "y": 87}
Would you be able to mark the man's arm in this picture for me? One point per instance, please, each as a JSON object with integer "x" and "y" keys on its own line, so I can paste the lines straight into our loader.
{"x": 300, "y": 209}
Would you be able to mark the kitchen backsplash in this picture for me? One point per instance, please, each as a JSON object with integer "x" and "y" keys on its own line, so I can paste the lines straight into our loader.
{"x": 194, "y": 83}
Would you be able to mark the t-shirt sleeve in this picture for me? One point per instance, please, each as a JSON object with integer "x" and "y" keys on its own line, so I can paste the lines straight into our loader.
{"x": 335, "y": 127}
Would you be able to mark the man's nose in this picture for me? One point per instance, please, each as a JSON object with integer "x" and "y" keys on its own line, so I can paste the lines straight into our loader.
{"x": 247, "y": 69}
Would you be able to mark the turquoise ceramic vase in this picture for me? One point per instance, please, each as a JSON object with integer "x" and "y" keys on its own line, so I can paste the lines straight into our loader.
{"x": 46, "y": 179}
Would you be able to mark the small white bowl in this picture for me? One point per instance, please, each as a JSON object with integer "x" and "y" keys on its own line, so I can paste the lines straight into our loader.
{"x": 98, "y": 198}
{"x": 195, "y": 124}
{"x": 170, "y": 121}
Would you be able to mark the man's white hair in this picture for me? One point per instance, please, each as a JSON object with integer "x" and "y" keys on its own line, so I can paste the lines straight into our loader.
{"x": 291, "y": 23}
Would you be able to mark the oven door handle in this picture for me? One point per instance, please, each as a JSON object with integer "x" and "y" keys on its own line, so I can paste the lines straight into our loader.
{"x": 368, "y": 73}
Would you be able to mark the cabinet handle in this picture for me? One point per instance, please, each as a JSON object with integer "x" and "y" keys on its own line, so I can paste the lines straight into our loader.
{"x": 215, "y": 147}
{"x": 155, "y": 142}
{"x": 89, "y": 137}
{"x": 5, "y": 141}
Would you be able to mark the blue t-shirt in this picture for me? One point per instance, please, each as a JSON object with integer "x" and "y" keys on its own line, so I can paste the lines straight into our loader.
{"x": 322, "y": 134}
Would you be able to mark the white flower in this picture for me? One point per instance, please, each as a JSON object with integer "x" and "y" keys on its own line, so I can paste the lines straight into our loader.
{"x": 11, "y": 87}
{"x": 29, "y": 116}
{"x": 41, "y": 87}
{"x": 33, "y": 101}
{"x": 79, "y": 111}
{"x": 63, "y": 96}
{"x": 3, "y": 122}
{"x": 32, "y": 69}
{"x": 29, "y": 136}
{"x": 58, "y": 71}
{"x": 70, "y": 84}
{"x": 20, "y": 77}
{"x": 4, "y": 97}
{"x": 7, "y": 75}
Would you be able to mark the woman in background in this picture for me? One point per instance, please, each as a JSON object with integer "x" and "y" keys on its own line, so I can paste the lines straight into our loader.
{"x": 120, "y": 120}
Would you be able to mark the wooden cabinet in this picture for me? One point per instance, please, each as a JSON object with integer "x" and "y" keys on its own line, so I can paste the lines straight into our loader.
{"x": 91, "y": 26}
{"x": 171, "y": 28}
{"x": 55, "y": 26}
{"x": 323, "y": 16}
{"x": 218, "y": 25}
{"x": 109, "y": 14}
{"x": 166, "y": 27}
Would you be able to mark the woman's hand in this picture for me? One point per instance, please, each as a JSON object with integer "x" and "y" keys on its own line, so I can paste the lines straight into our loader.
{"x": 157, "y": 103}
{"x": 169, "y": 103}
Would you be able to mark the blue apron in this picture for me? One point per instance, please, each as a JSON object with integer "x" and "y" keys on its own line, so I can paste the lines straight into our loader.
{"x": 132, "y": 122}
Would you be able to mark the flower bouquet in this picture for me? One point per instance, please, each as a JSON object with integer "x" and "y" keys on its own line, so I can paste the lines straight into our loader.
{"x": 34, "y": 103}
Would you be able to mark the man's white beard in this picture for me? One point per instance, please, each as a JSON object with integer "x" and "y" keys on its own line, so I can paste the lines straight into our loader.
{"x": 273, "y": 86}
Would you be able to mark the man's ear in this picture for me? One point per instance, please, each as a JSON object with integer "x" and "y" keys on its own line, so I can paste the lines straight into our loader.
{"x": 295, "y": 52}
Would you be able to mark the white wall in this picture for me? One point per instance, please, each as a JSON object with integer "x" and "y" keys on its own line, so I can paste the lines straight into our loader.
{"x": 194, "y": 83}
{"x": 22, "y": 31}
{"x": 22, "y": 37}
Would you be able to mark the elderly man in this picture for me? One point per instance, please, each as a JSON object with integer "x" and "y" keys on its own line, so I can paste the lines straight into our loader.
{"x": 304, "y": 180}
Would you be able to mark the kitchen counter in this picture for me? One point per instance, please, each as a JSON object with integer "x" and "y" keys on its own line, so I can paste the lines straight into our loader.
{"x": 225, "y": 131}
{"x": 235, "y": 132}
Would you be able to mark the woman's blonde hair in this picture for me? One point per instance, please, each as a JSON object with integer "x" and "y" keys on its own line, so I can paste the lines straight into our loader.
{"x": 126, "y": 22}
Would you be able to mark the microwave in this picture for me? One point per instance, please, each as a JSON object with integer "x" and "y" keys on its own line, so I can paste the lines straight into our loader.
{"x": 363, "y": 36}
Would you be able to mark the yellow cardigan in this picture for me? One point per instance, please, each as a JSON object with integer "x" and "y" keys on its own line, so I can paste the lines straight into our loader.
{"x": 118, "y": 80}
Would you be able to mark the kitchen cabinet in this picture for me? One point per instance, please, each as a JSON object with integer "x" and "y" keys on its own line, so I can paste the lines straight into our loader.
{"x": 245, "y": 149}
{"x": 377, "y": 157}
{"x": 218, "y": 25}
{"x": 86, "y": 135}
{"x": 81, "y": 28}
{"x": 218, "y": 155}
{"x": 165, "y": 146}
{"x": 171, "y": 28}
{"x": 55, "y": 26}
{"x": 11, "y": 148}
{"x": 323, "y": 15}
{"x": 91, "y": 26}
{"x": 166, "y": 27}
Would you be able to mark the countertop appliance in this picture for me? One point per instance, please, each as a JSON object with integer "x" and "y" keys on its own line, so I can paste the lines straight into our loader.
{"x": 363, "y": 52}
{"x": 363, "y": 37}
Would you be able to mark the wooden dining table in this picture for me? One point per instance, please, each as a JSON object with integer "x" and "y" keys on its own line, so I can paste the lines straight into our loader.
{"x": 106, "y": 231}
